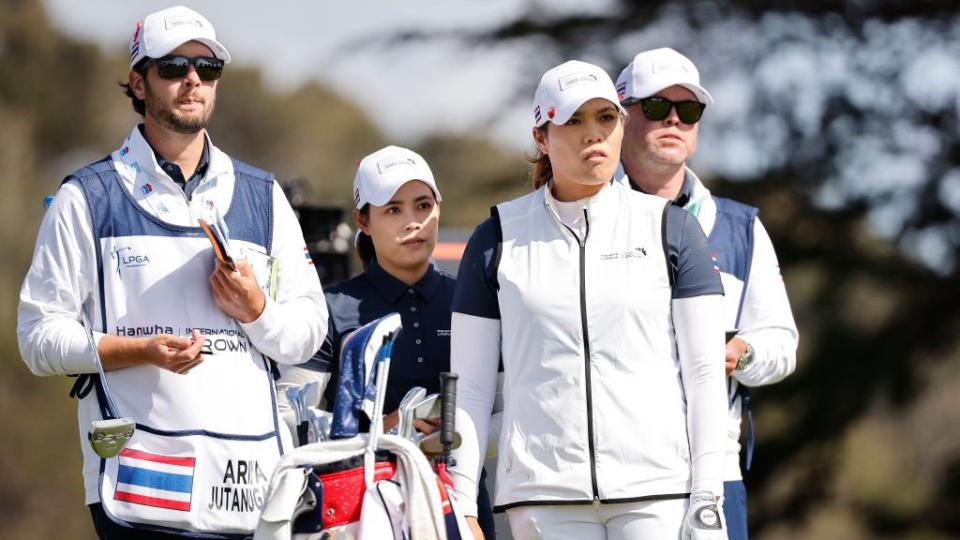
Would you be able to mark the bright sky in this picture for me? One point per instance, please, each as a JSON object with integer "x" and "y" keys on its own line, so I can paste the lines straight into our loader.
{"x": 408, "y": 91}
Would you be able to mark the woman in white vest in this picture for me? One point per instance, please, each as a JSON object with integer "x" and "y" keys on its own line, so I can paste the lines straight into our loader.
{"x": 604, "y": 306}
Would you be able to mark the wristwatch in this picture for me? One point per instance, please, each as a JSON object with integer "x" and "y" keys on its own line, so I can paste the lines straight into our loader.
{"x": 746, "y": 358}
{"x": 708, "y": 517}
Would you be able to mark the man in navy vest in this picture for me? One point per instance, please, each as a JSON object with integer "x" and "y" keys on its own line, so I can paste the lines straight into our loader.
{"x": 124, "y": 281}
{"x": 661, "y": 90}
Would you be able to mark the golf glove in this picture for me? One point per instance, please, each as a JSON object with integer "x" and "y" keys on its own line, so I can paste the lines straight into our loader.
{"x": 704, "y": 519}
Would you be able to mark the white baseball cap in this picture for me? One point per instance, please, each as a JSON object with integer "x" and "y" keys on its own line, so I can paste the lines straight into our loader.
{"x": 165, "y": 30}
{"x": 565, "y": 88}
{"x": 652, "y": 71}
{"x": 381, "y": 174}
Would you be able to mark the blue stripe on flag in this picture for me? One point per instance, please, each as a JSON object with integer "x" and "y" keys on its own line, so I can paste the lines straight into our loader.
{"x": 154, "y": 479}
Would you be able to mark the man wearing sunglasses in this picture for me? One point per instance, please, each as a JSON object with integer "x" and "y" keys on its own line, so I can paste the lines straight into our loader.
{"x": 124, "y": 280}
{"x": 661, "y": 91}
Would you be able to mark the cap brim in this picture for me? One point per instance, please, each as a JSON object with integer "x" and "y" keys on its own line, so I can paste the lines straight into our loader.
{"x": 566, "y": 111}
{"x": 702, "y": 95}
{"x": 218, "y": 50}
{"x": 698, "y": 91}
{"x": 382, "y": 198}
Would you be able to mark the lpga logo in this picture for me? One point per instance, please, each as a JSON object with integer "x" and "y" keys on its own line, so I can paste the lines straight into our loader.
{"x": 127, "y": 260}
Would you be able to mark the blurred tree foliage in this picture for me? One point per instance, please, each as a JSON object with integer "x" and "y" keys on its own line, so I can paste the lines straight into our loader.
{"x": 60, "y": 108}
{"x": 839, "y": 120}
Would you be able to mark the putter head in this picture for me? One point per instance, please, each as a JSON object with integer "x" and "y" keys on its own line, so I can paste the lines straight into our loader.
{"x": 431, "y": 444}
{"x": 108, "y": 437}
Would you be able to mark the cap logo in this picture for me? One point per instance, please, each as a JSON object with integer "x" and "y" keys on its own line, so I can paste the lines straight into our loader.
{"x": 356, "y": 196}
{"x": 135, "y": 42}
{"x": 536, "y": 114}
{"x": 385, "y": 165}
{"x": 669, "y": 66}
{"x": 551, "y": 112}
{"x": 173, "y": 22}
{"x": 622, "y": 90}
{"x": 575, "y": 79}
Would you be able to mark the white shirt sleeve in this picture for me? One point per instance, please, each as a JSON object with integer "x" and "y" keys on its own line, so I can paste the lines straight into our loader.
{"x": 474, "y": 356}
{"x": 699, "y": 330}
{"x": 766, "y": 322}
{"x": 57, "y": 293}
{"x": 291, "y": 328}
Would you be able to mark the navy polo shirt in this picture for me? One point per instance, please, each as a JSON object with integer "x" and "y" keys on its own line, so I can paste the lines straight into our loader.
{"x": 423, "y": 349}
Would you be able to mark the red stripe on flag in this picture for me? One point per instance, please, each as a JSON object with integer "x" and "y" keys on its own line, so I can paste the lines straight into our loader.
{"x": 184, "y": 462}
{"x": 152, "y": 501}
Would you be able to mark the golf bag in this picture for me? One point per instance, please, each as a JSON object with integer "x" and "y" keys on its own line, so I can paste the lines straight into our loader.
{"x": 360, "y": 485}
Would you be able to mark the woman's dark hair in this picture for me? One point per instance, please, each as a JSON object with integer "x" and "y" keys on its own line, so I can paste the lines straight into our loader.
{"x": 541, "y": 171}
{"x": 365, "y": 249}
{"x": 138, "y": 105}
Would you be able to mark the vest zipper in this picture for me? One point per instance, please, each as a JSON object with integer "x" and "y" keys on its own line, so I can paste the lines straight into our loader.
{"x": 586, "y": 349}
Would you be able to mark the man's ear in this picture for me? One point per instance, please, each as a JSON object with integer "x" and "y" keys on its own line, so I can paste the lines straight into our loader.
{"x": 138, "y": 85}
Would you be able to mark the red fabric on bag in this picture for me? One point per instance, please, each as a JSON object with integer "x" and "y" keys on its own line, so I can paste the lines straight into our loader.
{"x": 343, "y": 493}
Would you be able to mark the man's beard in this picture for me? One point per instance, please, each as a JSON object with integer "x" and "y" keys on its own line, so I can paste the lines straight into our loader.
{"x": 171, "y": 119}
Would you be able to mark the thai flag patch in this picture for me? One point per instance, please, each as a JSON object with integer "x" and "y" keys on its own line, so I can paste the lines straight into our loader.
{"x": 536, "y": 114}
{"x": 135, "y": 43}
{"x": 306, "y": 255}
{"x": 146, "y": 188}
{"x": 622, "y": 90}
{"x": 716, "y": 264}
{"x": 155, "y": 480}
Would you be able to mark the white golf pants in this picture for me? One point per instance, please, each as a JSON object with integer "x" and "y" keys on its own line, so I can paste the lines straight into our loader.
{"x": 659, "y": 520}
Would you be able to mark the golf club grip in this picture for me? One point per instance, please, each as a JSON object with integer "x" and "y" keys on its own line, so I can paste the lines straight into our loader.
{"x": 448, "y": 410}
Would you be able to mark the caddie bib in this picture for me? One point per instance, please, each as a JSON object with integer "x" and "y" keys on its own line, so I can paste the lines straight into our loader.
{"x": 207, "y": 440}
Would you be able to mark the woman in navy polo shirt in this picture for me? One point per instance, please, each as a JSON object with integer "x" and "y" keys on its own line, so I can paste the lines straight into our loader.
{"x": 397, "y": 209}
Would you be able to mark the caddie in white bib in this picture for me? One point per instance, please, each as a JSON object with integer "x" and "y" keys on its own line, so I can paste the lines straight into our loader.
{"x": 206, "y": 441}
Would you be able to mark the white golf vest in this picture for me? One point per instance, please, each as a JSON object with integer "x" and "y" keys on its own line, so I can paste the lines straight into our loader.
{"x": 594, "y": 376}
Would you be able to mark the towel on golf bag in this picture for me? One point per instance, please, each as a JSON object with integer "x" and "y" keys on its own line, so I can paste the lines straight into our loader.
{"x": 421, "y": 510}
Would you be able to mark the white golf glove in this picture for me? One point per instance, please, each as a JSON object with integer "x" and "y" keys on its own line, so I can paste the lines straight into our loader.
{"x": 704, "y": 519}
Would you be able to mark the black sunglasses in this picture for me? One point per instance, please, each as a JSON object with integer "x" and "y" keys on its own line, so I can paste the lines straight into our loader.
{"x": 658, "y": 108}
{"x": 176, "y": 67}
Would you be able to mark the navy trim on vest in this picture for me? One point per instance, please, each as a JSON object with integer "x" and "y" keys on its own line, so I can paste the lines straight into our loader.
{"x": 105, "y": 412}
{"x": 663, "y": 241}
{"x": 495, "y": 215}
{"x": 205, "y": 433}
{"x": 252, "y": 196}
{"x": 732, "y": 241}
